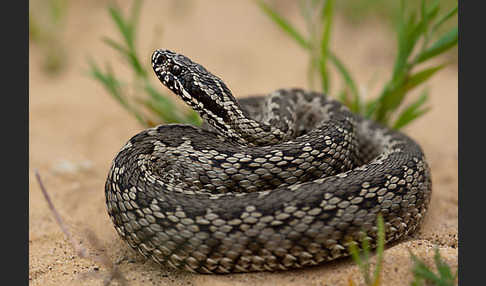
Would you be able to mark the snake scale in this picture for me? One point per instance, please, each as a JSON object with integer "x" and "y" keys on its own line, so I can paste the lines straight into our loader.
{"x": 268, "y": 183}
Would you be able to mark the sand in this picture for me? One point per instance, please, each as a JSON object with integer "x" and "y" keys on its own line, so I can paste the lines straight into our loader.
{"x": 76, "y": 129}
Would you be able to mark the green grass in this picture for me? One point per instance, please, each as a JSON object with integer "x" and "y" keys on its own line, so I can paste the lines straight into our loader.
{"x": 149, "y": 106}
{"x": 418, "y": 42}
{"x": 422, "y": 274}
{"x": 361, "y": 10}
{"x": 46, "y": 24}
{"x": 371, "y": 278}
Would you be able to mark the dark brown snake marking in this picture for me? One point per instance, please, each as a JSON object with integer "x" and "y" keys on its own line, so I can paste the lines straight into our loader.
{"x": 269, "y": 183}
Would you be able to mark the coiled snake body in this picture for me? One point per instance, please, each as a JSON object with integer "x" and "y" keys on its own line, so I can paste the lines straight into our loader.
{"x": 269, "y": 183}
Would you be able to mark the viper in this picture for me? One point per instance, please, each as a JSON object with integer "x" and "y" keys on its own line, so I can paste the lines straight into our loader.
{"x": 267, "y": 183}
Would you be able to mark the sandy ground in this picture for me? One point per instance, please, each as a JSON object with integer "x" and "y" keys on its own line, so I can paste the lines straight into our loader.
{"x": 76, "y": 129}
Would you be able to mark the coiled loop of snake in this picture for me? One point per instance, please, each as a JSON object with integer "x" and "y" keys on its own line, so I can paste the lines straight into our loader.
{"x": 269, "y": 183}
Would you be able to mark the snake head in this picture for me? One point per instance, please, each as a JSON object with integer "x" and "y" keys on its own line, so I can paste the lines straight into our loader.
{"x": 203, "y": 91}
{"x": 183, "y": 76}
{"x": 173, "y": 70}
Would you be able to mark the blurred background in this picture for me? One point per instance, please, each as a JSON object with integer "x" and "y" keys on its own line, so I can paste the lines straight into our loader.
{"x": 92, "y": 88}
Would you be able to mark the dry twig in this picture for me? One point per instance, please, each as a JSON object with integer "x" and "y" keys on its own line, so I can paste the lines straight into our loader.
{"x": 103, "y": 259}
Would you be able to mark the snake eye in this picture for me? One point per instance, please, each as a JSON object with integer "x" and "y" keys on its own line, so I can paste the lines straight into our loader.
{"x": 176, "y": 70}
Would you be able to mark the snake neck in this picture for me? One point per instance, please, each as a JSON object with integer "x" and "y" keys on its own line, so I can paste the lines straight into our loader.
{"x": 226, "y": 116}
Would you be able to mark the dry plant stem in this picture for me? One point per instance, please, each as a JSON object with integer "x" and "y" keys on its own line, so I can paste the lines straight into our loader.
{"x": 114, "y": 273}
{"x": 80, "y": 251}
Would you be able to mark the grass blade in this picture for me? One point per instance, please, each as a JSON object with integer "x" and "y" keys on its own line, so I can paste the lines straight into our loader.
{"x": 353, "y": 250}
{"x": 363, "y": 259}
{"x": 160, "y": 109}
{"x": 428, "y": 14}
{"x": 347, "y": 78}
{"x": 447, "y": 41}
{"x": 193, "y": 118}
{"x": 370, "y": 107}
{"x": 109, "y": 81}
{"x": 412, "y": 111}
{"x": 112, "y": 85}
{"x": 380, "y": 248}
{"x": 405, "y": 119}
{"x": 408, "y": 37}
{"x": 284, "y": 24}
{"x": 366, "y": 258}
{"x": 343, "y": 97}
{"x": 432, "y": 11}
{"x": 135, "y": 14}
{"x": 163, "y": 106}
{"x": 422, "y": 272}
{"x": 403, "y": 30}
{"x": 444, "y": 18}
{"x": 167, "y": 110}
{"x": 443, "y": 269}
{"x": 313, "y": 63}
{"x": 122, "y": 25}
{"x": 420, "y": 77}
{"x": 122, "y": 50}
{"x": 327, "y": 14}
{"x": 324, "y": 75}
{"x": 415, "y": 33}
{"x": 127, "y": 30}
{"x": 35, "y": 31}
{"x": 137, "y": 66}
{"x": 395, "y": 93}
{"x": 57, "y": 9}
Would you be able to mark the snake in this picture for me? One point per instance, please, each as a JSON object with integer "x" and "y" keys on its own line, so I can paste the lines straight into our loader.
{"x": 267, "y": 182}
